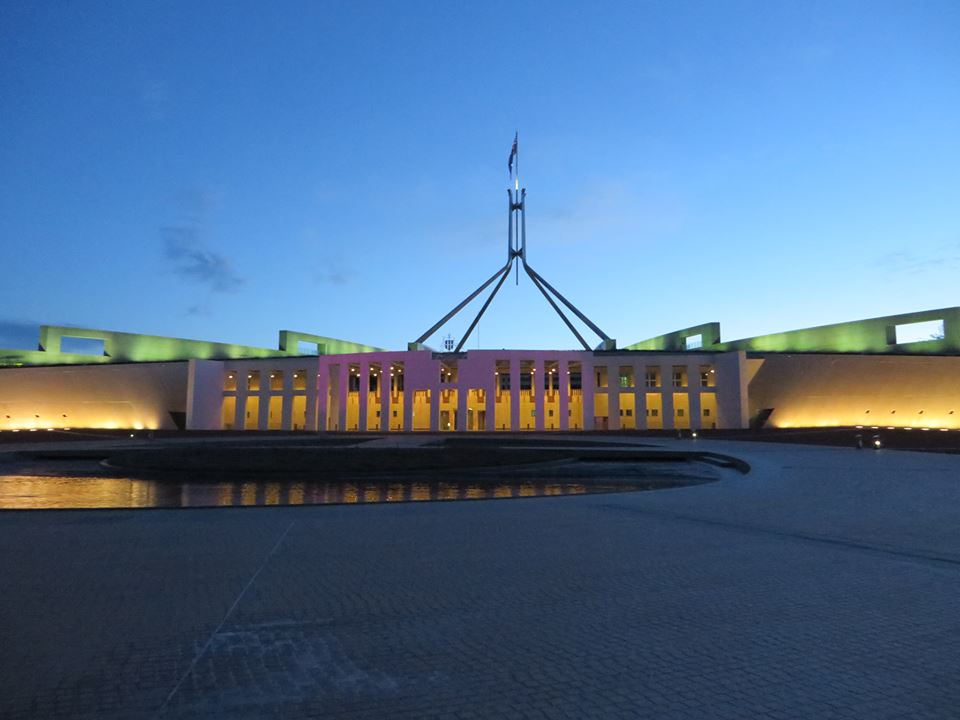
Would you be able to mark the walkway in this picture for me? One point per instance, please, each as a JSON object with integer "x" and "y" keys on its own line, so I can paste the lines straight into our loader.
{"x": 824, "y": 584}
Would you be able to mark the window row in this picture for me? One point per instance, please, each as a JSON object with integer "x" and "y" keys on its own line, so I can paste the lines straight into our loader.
{"x": 253, "y": 380}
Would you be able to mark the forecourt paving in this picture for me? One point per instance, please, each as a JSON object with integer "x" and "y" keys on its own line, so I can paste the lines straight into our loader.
{"x": 823, "y": 584}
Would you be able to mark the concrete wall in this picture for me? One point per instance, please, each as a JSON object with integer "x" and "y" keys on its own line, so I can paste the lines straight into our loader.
{"x": 836, "y": 390}
{"x": 875, "y": 335}
{"x": 93, "y": 396}
{"x": 204, "y": 394}
{"x": 676, "y": 341}
{"x": 312, "y": 392}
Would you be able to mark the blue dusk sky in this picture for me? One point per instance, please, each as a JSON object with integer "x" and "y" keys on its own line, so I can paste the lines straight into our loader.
{"x": 221, "y": 171}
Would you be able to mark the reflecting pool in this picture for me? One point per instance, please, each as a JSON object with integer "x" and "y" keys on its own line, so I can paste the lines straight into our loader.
{"x": 34, "y": 492}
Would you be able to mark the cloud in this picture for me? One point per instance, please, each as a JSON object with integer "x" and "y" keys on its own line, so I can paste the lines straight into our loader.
{"x": 612, "y": 213}
{"x": 197, "y": 311}
{"x": 19, "y": 334}
{"x": 333, "y": 273}
{"x": 191, "y": 260}
{"x": 942, "y": 257}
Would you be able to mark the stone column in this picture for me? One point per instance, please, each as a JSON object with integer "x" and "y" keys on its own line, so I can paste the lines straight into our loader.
{"x": 693, "y": 390}
{"x": 435, "y": 390}
{"x": 613, "y": 396}
{"x": 490, "y": 391}
{"x": 286, "y": 406}
{"x": 669, "y": 421}
{"x": 385, "y": 398}
{"x": 364, "y": 394}
{"x": 588, "y": 379}
{"x": 563, "y": 370}
{"x": 640, "y": 392}
{"x": 313, "y": 395}
{"x": 240, "y": 412}
{"x": 407, "y": 406}
{"x": 537, "y": 383}
{"x": 344, "y": 393}
{"x": 463, "y": 390}
{"x": 514, "y": 394}
{"x": 263, "y": 421}
{"x": 323, "y": 387}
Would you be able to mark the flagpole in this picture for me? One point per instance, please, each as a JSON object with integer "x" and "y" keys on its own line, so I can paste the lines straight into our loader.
{"x": 516, "y": 248}
{"x": 516, "y": 144}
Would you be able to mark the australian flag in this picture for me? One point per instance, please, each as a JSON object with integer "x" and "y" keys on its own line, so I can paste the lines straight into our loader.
{"x": 513, "y": 153}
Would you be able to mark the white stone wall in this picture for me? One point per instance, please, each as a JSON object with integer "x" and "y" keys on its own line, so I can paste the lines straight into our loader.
{"x": 129, "y": 395}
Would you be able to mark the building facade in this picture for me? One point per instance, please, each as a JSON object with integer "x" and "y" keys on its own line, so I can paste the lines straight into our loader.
{"x": 871, "y": 373}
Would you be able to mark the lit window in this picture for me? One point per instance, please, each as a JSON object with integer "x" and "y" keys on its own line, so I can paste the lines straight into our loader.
{"x": 679, "y": 376}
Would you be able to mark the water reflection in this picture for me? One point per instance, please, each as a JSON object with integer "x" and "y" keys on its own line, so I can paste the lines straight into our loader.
{"x": 35, "y": 492}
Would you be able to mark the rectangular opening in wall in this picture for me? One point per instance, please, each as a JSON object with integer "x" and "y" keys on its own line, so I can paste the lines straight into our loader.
{"x": 653, "y": 414}
{"x": 681, "y": 411}
{"x": 228, "y": 412}
{"x": 477, "y": 409}
{"x": 918, "y": 332}
{"x": 333, "y": 397}
{"x": 421, "y": 410}
{"x": 300, "y": 380}
{"x": 652, "y": 376}
{"x": 693, "y": 342}
{"x": 679, "y": 376}
{"x": 600, "y": 376}
{"x": 374, "y": 397}
{"x": 252, "y": 418}
{"x": 298, "y": 416}
{"x": 82, "y": 345}
{"x": 628, "y": 401}
{"x": 276, "y": 380}
{"x": 708, "y": 376}
{"x": 307, "y": 348}
{"x": 275, "y": 418}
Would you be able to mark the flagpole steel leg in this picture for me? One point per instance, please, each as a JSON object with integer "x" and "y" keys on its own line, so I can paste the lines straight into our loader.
{"x": 460, "y": 307}
{"x": 517, "y": 248}
{"x": 523, "y": 220}
{"x": 559, "y": 312}
{"x": 570, "y": 305}
{"x": 509, "y": 225}
{"x": 496, "y": 289}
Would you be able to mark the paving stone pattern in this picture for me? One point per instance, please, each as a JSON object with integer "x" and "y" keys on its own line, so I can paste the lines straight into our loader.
{"x": 824, "y": 584}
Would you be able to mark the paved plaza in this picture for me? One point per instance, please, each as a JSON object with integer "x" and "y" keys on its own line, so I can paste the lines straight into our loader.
{"x": 825, "y": 583}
